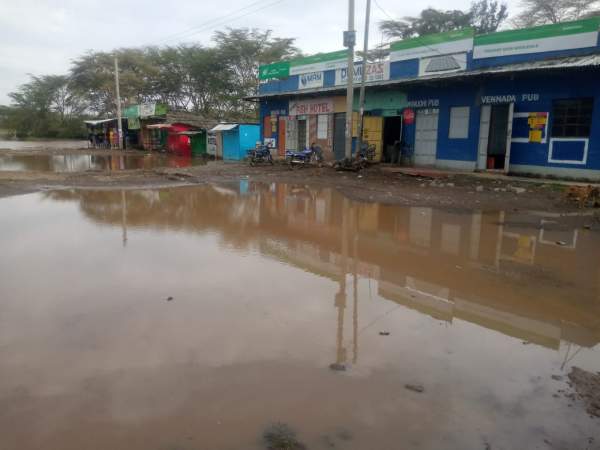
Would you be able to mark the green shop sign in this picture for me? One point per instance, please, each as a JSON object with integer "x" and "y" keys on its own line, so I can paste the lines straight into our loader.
{"x": 131, "y": 111}
{"x": 433, "y": 39}
{"x": 275, "y": 70}
{"x": 306, "y": 64}
{"x": 459, "y": 41}
{"x": 545, "y": 38}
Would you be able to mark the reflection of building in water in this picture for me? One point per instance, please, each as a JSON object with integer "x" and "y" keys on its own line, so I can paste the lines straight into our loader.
{"x": 524, "y": 275}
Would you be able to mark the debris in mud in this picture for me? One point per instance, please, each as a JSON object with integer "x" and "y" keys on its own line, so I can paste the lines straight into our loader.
{"x": 344, "y": 435}
{"x": 587, "y": 386}
{"x": 414, "y": 387}
{"x": 384, "y": 333}
{"x": 337, "y": 367}
{"x": 561, "y": 243}
{"x": 280, "y": 436}
{"x": 557, "y": 377}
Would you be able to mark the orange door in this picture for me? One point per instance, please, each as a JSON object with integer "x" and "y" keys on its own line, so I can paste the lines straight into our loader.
{"x": 281, "y": 137}
{"x": 267, "y": 127}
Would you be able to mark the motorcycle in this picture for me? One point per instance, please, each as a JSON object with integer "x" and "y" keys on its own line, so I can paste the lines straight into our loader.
{"x": 303, "y": 157}
{"x": 365, "y": 156}
{"x": 259, "y": 154}
{"x": 367, "y": 153}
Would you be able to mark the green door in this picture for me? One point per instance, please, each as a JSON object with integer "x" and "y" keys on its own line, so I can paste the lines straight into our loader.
{"x": 199, "y": 144}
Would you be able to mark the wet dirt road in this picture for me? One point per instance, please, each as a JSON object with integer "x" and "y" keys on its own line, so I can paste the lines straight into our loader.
{"x": 192, "y": 318}
{"x": 70, "y": 163}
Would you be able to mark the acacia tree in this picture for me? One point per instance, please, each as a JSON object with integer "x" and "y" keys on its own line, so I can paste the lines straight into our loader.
{"x": 484, "y": 15}
{"x": 539, "y": 12}
{"x": 487, "y": 15}
{"x": 209, "y": 80}
{"x": 244, "y": 50}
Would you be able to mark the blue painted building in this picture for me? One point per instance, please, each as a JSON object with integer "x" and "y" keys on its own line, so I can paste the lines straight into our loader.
{"x": 235, "y": 139}
{"x": 520, "y": 101}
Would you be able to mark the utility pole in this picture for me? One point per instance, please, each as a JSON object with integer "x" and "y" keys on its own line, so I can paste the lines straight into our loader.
{"x": 361, "y": 98}
{"x": 118, "y": 100}
{"x": 350, "y": 41}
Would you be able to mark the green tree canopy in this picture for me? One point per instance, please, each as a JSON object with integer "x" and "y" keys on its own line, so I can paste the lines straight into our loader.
{"x": 539, "y": 12}
{"x": 211, "y": 80}
{"x": 484, "y": 15}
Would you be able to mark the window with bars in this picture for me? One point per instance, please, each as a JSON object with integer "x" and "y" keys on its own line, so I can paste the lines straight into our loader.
{"x": 572, "y": 118}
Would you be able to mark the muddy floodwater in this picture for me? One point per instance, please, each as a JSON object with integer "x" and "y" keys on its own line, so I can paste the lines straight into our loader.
{"x": 85, "y": 162}
{"x": 194, "y": 318}
{"x": 42, "y": 144}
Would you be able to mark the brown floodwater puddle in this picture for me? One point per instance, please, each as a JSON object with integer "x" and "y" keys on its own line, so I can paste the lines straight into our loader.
{"x": 194, "y": 318}
{"x": 85, "y": 162}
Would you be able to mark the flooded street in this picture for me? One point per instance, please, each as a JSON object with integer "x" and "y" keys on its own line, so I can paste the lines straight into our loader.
{"x": 85, "y": 162}
{"x": 43, "y": 144}
{"x": 193, "y": 318}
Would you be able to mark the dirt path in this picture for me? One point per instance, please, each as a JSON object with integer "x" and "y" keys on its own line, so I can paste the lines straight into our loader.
{"x": 454, "y": 191}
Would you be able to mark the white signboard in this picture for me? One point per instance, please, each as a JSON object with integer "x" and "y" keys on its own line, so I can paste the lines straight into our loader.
{"x": 375, "y": 72}
{"x": 310, "y": 80}
{"x": 147, "y": 109}
{"x": 548, "y": 44}
{"x": 311, "y": 106}
{"x": 319, "y": 66}
{"x": 442, "y": 48}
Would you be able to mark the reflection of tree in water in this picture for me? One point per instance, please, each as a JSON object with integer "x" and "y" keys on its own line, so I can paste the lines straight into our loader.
{"x": 442, "y": 264}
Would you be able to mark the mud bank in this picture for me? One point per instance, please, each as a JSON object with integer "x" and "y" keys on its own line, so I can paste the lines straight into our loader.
{"x": 454, "y": 191}
{"x": 587, "y": 386}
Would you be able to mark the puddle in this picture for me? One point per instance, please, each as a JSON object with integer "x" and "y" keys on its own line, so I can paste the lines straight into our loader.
{"x": 84, "y": 162}
{"x": 199, "y": 317}
{"x": 42, "y": 144}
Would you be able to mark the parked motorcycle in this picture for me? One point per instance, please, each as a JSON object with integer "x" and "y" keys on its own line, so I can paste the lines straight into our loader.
{"x": 259, "y": 154}
{"x": 366, "y": 156}
{"x": 304, "y": 157}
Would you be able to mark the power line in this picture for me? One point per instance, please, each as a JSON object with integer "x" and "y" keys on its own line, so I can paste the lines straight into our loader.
{"x": 208, "y": 22}
{"x": 220, "y": 21}
{"x": 383, "y": 10}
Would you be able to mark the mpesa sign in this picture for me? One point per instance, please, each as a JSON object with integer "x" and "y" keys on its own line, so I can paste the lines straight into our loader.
{"x": 309, "y": 107}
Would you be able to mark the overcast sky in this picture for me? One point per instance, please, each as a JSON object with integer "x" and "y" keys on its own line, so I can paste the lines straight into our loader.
{"x": 43, "y": 36}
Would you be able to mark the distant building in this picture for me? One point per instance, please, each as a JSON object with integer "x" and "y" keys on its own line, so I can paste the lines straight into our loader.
{"x": 151, "y": 126}
{"x": 233, "y": 140}
{"x": 521, "y": 101}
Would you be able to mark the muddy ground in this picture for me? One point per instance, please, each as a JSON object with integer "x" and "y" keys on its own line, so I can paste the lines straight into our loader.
{"x": 377, "y": 183}
{"x": 587, "y": 386}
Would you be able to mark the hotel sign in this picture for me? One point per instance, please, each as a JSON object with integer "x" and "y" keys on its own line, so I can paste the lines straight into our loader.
{"x": 311, "y": 107}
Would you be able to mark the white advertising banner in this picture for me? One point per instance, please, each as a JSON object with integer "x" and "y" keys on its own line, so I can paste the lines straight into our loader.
{"x": 318, "y": 66}
{"x": 375, "y": 72}
{"x": 311, "y": 106}
{"x": 434, "y": 49}
{"x": 147, "y": 109}
{"x": 310, "y": 80}
{"x": 549, "y": 44}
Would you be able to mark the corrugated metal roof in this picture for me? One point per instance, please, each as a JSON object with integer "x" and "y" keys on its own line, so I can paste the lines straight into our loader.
{"x": 99, "y": 121}
{"x": 224, "y": 127}
{"x": 159, "y": 125}
{"x": 569, "y": 62}
{"x": 190, "y": 133}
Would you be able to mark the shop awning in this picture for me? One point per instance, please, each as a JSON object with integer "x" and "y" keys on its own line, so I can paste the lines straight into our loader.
{"x": 224, "y": 127}
{"x": 158, "y": 126}
{"x": 99, "y": 121}
{"x": 190, "y": 133}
